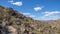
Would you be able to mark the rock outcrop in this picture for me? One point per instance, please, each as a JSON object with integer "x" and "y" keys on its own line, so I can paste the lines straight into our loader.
{"x": 13, "y": 22}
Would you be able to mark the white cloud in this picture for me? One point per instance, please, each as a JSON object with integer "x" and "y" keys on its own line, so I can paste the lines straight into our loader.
{"x": 11, "y": 1}
{"x": 29, "y": 15}
{"x": 32, "y": 16}
{"x": 38, "y": 8}
{"x": 17, "y": 3}
{"x": 55, "y": 17}
{"x": 51, "y": 13}
{"x": 26, "y": 13}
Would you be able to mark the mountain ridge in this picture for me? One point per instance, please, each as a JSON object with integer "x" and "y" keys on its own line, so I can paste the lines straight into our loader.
{"x": 13, "y": 22}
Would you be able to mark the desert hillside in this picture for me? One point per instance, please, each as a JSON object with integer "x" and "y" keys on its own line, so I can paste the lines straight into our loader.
{"x": 13, "y": 22}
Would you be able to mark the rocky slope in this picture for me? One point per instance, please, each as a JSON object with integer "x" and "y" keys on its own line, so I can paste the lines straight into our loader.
{"x": 13, "y": 22}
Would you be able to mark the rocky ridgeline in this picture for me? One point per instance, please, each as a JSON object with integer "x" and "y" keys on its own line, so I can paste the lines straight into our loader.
{"x": 13, "y": 22}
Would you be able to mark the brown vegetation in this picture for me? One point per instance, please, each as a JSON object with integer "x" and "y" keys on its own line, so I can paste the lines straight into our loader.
{"x": 13, "y": 22}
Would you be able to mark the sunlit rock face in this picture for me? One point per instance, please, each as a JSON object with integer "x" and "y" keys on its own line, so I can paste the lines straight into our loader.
{"x": 11, "y": 30}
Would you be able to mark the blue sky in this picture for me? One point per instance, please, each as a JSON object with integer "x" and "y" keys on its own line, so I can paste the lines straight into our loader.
{"x": 36, "y": 9}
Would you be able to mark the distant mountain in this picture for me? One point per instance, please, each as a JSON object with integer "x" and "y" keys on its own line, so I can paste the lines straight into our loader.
{"x": 13, "y": 22}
